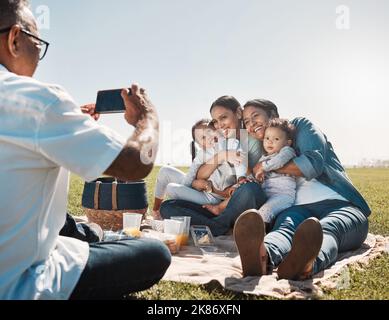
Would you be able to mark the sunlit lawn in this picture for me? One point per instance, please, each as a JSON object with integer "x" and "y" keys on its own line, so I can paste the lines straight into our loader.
{"x": 372, "y": 283}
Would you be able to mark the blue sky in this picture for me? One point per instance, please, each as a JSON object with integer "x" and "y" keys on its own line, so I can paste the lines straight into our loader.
{"x": 188, "y": 53}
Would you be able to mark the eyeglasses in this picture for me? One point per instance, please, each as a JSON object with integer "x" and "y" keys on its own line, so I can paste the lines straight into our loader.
{"x": 42, "y": 44}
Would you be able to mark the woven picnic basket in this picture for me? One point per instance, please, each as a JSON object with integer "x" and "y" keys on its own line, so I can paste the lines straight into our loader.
{"x": 106, "y": 199}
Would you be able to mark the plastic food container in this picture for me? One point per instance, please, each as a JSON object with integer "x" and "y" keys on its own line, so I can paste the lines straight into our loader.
{"x": 202, "y": 236}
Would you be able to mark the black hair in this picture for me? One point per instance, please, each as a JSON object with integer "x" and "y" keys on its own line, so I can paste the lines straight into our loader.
{"x": 269, "y": 107}
{"x": 11, "y": 12}
{"x": 203, "y": 123}
{"x": 228, "y": 102}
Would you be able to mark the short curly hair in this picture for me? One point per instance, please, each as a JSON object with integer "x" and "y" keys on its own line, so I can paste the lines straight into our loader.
{"x": 283, "y": 125}
{"x": 11, "y": 12}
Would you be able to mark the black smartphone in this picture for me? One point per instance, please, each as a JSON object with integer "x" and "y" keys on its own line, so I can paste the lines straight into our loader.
{"x": 110, "y": 101}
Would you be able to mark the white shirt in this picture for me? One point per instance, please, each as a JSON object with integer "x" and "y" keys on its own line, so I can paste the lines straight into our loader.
{"x": 313, "y": 191}
{"x": 225, "y": 175}
{"x": 43, "y": 134}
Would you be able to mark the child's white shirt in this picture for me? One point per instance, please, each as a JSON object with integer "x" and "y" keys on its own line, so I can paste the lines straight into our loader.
{"x": 225, "y": 175}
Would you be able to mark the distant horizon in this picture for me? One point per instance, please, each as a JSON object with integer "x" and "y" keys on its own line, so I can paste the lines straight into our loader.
{"x": 325, "y": 60}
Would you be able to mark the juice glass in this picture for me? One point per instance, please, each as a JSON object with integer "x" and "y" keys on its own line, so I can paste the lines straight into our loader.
{"x": 132, "y": 223}
{"x": 183, "y": 238}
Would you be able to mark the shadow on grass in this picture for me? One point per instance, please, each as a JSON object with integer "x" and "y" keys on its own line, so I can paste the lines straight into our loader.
{"x": 166, "y": 290}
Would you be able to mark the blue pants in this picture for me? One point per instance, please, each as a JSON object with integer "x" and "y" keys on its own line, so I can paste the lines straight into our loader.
{"x": 248, "y": 196}
{"x": 79, "y": 231}
{"x": 115, "y": 269}
{"x": 345, "y": 228}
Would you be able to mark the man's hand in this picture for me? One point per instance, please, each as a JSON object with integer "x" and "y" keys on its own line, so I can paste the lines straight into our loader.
{"x": 138, "y": 105}
{"x": 90, "y": 109}
{"x": 137, "y": 158}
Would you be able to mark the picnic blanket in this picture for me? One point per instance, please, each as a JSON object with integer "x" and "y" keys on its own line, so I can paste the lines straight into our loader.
{"x": 193, "y": 266}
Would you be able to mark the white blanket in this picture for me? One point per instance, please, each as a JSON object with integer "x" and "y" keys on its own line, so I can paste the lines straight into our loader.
{"x": 192, "y": 266}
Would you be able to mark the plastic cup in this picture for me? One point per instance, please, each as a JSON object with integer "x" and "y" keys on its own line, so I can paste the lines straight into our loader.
{"x": 132, "y": 223}
{"x": 168, "y": 239}
{"x": 183, "y": 238}
{"x": 174, "y": 227}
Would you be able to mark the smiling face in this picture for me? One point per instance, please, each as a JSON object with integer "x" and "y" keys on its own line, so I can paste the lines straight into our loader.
{"x": 255, "y": 120}
{"x": 205, "y": 137}
{"x": 275, "y": 140}
{"x": 226, "y": 121}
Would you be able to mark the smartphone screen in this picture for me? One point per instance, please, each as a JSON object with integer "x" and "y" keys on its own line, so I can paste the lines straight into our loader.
{"x": 110, "y": 101}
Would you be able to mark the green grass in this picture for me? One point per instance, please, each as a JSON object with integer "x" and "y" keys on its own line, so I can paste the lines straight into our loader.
{"x": 371, "y": 283}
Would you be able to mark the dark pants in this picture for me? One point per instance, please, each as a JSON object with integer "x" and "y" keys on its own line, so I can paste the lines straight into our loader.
{"x": 116, "y": 269}
{"x": 79, "y": 231}
{"x": 248, "y": 196}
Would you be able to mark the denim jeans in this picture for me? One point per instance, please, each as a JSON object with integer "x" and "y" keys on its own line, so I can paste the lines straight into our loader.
{"x": 345, "y": 228}
{"x": 115, "y": 269}
{"x": 248, "y": 196}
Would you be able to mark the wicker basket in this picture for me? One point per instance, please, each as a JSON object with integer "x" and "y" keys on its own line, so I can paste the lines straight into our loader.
{"x": 123, "y": 196}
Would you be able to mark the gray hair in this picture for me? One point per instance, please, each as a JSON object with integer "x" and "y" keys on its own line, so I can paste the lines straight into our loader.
{"x": 11, "y": 12}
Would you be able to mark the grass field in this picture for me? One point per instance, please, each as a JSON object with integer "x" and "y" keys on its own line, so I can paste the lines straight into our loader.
{"x": 372, "y": 283}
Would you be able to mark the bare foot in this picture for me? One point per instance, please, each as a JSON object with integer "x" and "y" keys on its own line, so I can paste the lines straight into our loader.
{"x": 214, "y": 209}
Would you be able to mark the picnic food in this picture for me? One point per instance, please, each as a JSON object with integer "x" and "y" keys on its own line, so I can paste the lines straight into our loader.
{"x": 204, "y": 240}
{"x": 202, "y": 236}
{"x": 132, "y": 232}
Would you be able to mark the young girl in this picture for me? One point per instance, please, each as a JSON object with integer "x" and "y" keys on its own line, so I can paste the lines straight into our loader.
{"x": 280, "y": 188}
{"x": 174, "y": 184}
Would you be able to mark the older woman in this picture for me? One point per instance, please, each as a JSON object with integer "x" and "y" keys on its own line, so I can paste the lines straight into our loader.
{"x": 330, "y": 216}
{"x": 227, "y": 115}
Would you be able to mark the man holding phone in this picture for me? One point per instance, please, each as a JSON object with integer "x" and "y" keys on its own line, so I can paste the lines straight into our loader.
{"x": 43, "y": 136}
